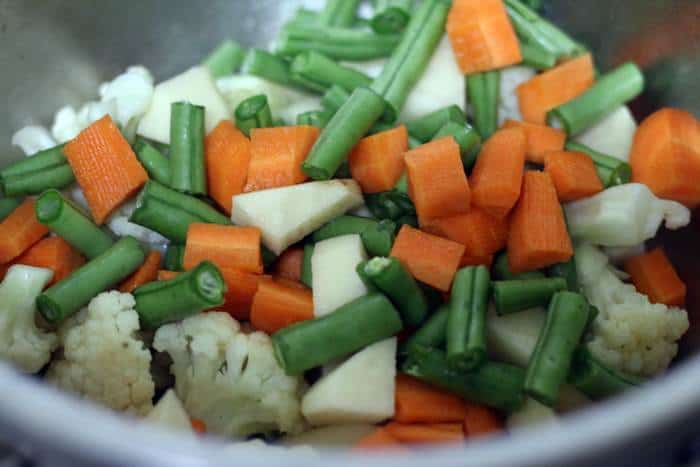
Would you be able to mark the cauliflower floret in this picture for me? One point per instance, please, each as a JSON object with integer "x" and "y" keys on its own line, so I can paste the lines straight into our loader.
{"x": 169, "y": 413}
{"x": 32, "y": 139}
{"x": 511, "y": 78}
{"x": 21, "y": 342}
{"x": 103, "y": 360}
{"x": 230, "y": 380}
{"x": 630, "y": 334}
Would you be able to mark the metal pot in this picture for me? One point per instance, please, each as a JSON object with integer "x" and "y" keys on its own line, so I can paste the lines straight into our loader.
{"x": 56, "y": 52}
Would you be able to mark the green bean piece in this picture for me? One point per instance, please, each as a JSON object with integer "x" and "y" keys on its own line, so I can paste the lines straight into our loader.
{"x": 7, "y": 205}
{"x": 317, "y": 118}
{"x": 596, "y": 380}
{"x": 466, "y": 137}
{"x": 362, "y": 274}
{"x": 612, "y": 171}
{"x": 407, "y": 219}
{"x": 343, "y": 225}
{"x": 155, "y": 163}
{"x": 69, "y": 223}
{"x": 537, "y": 57}
{"x": 226, "y": 59}
{"x": 568, "y": 272}
{"x": 163, "y": 302}
{"x": 466, "y": 322}
{"x": 401, "y": 185}
{"x": 304, "y": 16}
{"x": 31, "y": 176}
{"x": 483, "y": 90}
{"x": 551, "y": 360}
{"x": 253, "y": 112}
{"x": 425, "y": 127}
{"x": 353, "y": 326}
{"x": 390, "y": 204}
{"x": 187, "y": 169}
{"x": 494, "y": 384}
{"x": 501, "y": 270}
{"x": 610, "y": 92}
{"x": 265, "y": 65}
{"x": 391, "y": 16}
{"x": 268, "y": 256}
{"x": 518, "y": 295}
{"x": 394, "y": 281}
{"x": 534, "y": 4}
{"x": 306, "y": 274}
{"x": 334, "y": 99}
{"x": 340, "y": 13}
{"x": 170, "y": 213}
{"x": 68, "y": 296}
{"x": 410, "y": 58}
{"x": 317, "y": 70}
{"x": 345, "y": 129}
{"x": 174, "y": 257}
{"x": 432, "y": 334}
{"x": 336, "y": 42}
{"x": 378, "y": 239}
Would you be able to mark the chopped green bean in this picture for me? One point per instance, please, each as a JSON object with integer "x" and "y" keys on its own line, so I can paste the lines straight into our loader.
{"x": 537, "y": 57}
{"x": 340, "y": 13}
{"x": 362, "y": 274}
{"x": 501, "y": 270}
{"x": 317, "y": 118}
{"x": 466, "y": 322}
{"x": 393, "y": 280}
{"x": 304, "y": 16}
{"x": 7, "y": 205}
{"x": 268, "y": 66}
{"x": 483, "y": 90}
{"x": 378, "y": 239}
{"x": 187, "y": 169}
{"x": 431, "y": 335}
{"x": 334, "y": 99}
{"x": 253, "y": 112}
{"x": 425, "y": 127}
{"x": 30, "y": 176}
{"x": 568, "y": 272}
{"x": 518, "y": 295}
{"x": 391, "y": 16}
{"x": 155, "y": 163}
{"x": 466, "y": 137}
{"x": 306, "y": 274}
{"x": 226, "y": 59}
{"x": 316, "y": 70}
{"x": 343, "y": 225}
{"x": 390, "y": 205}
{"x": 612, "y": 171}
{"x": 174, "y": 257}
{"x": 596, "y": 380}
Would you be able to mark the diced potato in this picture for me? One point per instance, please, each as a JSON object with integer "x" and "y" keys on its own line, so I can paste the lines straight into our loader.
{"x": 512, "y": 338}
{"x": 170, "y": 413}
{"x": 613, "y": 135}
{"x": 530, "y": 414}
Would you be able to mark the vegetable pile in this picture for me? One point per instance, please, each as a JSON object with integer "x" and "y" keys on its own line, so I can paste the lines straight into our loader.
{"x": 274, "y": 242}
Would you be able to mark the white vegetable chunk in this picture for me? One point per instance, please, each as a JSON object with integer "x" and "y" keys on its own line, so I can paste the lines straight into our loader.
{"x": 532, "y": 413}
{"x": 624, "y": 215}
{"x": 613, "y": 135}
{"x": 512, "y": 338}
{"x": 511, "y": 78}
{"x": 286, "y": 215}
{"x": 170, "y": 413}
{"x": 333, "y": 265}
{"x": 32, "y": 139}
{"x": 361, "y": 390}
{"x": 197, "y": 86}
{"x": 337, "y": 436}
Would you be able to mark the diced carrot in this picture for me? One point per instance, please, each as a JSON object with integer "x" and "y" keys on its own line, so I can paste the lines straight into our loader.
{"x": 428, "y": 258}
{"x": 105, "y": 167}
{"x": 289, "y": 264}
{"x": 378, "y": 440}
{"x": 498, "y": 174}
{"x": 227, "y": 153}
{"x": 227, "y": 246}
{"x": 666, "y": 156}
{"x": 198, "y": 426}
{"x": 148, "y": 272}
{"x": 654, "y": 276}
{"x": 418, "y": 402}
{"x": 481, "y": 421}
{"x": 165, "y": 275}
{"x": 426, "y": 434}
{"x": 574, "y": 175}
{"x": 481, "y": 234}
{"x": 540, "y": 139}
{"x": 19, "y": 231}
{"x": 474, "y": 260}
{"x": 277, "y": 305}
{"x": 277, "y": 154}
{"x": 377, "y": 162}
{"x": 53, "y": 253}
{"x": 555, "y": 87}
{"x": 241, "y": 289}
{"x": 538, "y": 235}
{"x": 437, "y": 183}
{"x": 482, "y": 36}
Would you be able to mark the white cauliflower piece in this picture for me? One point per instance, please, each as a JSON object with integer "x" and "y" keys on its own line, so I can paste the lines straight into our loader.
{"x": 120, "y": 225}
{"x": 32, "y": 139}
{"x": 103, "y": 359}
{"x": 21, "y": 341}
{"x": 169, "y": 413}
{"x": 511, "y": 78}
{"x": 230, "y": 380}
{"x": 630, "y": 334}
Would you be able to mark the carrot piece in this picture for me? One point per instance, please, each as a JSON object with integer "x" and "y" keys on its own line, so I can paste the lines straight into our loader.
{"x": 574, "y": 175}
{"x": 165, "y": 275}
{"x": 226, "y": 246}
{"x": 289, "y": 264}
{"x": 540, "y": 139}
{"x": 148, "y": 272}
{"x": 380, "y": 439}
{"x": 418, "y": 402}
{"x": 377, "y": 162}
{"x": 19, "y": 231}
{"x": 437, "y": 183}
{"x": 428, "y": 258}
{"x": 198, "y": 426}
{"x": 482, "y": 36}
{"x": 498, "y": 174}
{"x": 277, "y": 154}
{"x": 241, "y": 289}
{"x": 105, "y": 167}
{"x": 654, "y": 276}
{"x": 481, "y": 234}
{"x": 475, "y": 260}
{"x": 481, "y": 421}
{"x": 666, "y": 156}
{"x": 53, "y": 253}
{"x": 538, "y": 235}
{"x": 278, "y": 304}
{"x": 555, "y": 87}
{"x": 426, "y": 434}
{"x": 227, "y": 153}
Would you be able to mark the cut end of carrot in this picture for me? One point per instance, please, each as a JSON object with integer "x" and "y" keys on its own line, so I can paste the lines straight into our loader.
{"x": 289, "y": 264}
{"x": 227, "y": 153}
{"x": 540, "y": 139}
{"x": 481, "y": 421}
{"x": 53, "y": 253}
{"x": 481, "y": 234}
{"x": 379, "y": 440}
{"x": 574, "y": 175}
{"x": 241, "y": 289}
{"x": 278, "y": 304}
{"x": 148, "y": 272}
{"x": 653, "y": 275}
{"x": 19, "y": 231}
{"x": 226, "y": 246}
{"x": 418, "y": 402}
{"x": 422, "y": 434}
{"x": 198, "y": 426}
{"x": 377, "y": 161}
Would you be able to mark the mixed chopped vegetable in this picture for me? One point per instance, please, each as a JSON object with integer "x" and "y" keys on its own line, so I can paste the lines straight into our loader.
{"x": 301, "y": 245}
